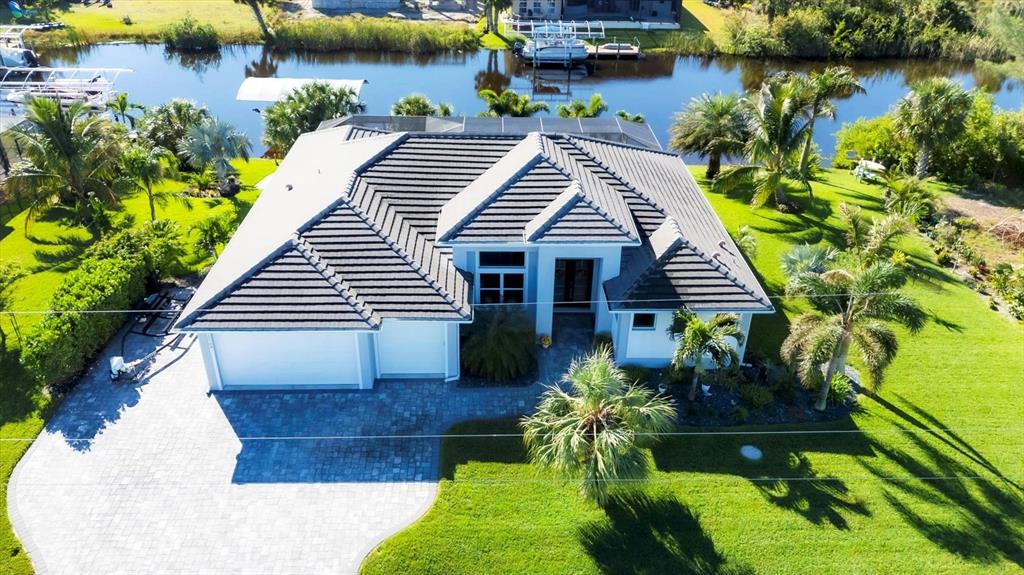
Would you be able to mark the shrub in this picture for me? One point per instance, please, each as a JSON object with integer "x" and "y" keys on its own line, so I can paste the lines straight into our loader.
{"x": 636, "y": 374}
{"x": 499, "y": 344}
{"x": 689, "y": 44}
{"x": 739, "y": 414}
{"x": 751, "y": 37}
{"x": 66, "y": 338}
{"x": 158, "y": 243}
{"x": 756, "y": 395}
{"x": 380, "y": 34}
{"x": 190, "y": 35}
{"x": 841, "y": 391}
{"x": 874, "y": 139}
{"x": 805, "y": 32}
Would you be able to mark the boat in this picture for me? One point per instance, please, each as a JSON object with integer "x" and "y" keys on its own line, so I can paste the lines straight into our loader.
{"x": 96, "y": 100}
{"x": 562, "y": 50}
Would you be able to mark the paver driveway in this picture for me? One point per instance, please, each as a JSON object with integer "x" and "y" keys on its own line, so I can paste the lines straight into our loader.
{"x": 162, "y": 477}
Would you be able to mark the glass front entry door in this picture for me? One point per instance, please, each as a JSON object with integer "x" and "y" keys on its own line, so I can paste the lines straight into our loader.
{"x": 574, "y": 280}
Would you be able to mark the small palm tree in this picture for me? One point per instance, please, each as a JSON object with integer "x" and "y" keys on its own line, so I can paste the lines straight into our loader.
{"x": 71, "y": 157}
{"x": 870, "y": 239}
{"x": 215, "y": 143}
{"x": 256, "y": 7}
{"x": 806, "y": 258}
{"x": 778, "y": 130}
{"x": 712, "y": 126}
{"x": 510, "y": 103}
{"x": 122, "y": 109}
{"x": 591, "y": 431}
{"x": 635, "y": 118}
{"x": 146, "y": 165}
{"x": 910, "y": 198}
{"x": 211, "y": 233}
{"x": 580, "y": 109}
{"x": 303, "y": 110}
{"x": 168, "y": 124}
{"x": 851, "y": 310}
{"x": 698, "y": 339}
{"x": 935, "y": 111}
{"x": 420, "y": 105}
{"x": 823, "y": 87}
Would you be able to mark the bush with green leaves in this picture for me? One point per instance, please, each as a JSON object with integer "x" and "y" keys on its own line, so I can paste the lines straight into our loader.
{"x": 70, "y": 334}
{"x": 756, "y": 395}
{"x": 190, "y": 35}
{"x": 158, "y": 243}
{"x": 636, "y": 374}
{"x": 499, "y": 345}
{"x": 841, "y": 391}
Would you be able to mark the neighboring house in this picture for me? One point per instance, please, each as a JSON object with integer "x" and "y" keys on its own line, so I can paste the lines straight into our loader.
{"x": 609, "y": 10}
{"x": 367, "y": 251}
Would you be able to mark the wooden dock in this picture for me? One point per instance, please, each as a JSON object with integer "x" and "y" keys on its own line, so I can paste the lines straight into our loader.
{"x": 614, "y": 51}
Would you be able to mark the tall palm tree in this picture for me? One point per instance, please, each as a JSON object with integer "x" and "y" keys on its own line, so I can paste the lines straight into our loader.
{"x": 778, "y": 130}
{"x": 712, "y": 126}
{"x": 591, "y": 431}
{"x": 420, "y": 105}
{"x": 168, "y": 124}
{"x": 580, "y": 109}
{"x": 122, "y": 108}
{"x": 698, "y": 339}
{"x": 71, "y": 158}
{"x": 303, "y": 110}
{"x": 256, "y": 7}
{"x": 145, "y": 165}
{"x": 935, "y": 111}
{"x": 823, "y": 87}
{"x": 852, "y": 309}
{"x": 510, "y": 103}
{"x": 215, "y": 143}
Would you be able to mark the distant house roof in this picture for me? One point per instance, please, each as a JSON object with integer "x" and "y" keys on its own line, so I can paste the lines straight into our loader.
{"x": 357, "y": 224}
{"x": 609, "y": 129}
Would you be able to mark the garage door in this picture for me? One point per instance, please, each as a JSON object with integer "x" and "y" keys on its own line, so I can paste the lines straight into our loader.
{"x": 285, "y": 359}
{"x": 412, "y": 348}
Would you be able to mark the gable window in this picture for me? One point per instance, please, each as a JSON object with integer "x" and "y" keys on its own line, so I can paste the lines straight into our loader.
{"x": 501, "y": 277}
{"x": 643, "y": 321}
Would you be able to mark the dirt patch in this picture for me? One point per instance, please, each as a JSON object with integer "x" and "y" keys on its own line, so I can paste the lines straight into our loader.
{"x": 1000, "y": 226}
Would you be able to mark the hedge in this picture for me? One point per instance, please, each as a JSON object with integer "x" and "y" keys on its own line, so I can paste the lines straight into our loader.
{"x": 67, "y": 339}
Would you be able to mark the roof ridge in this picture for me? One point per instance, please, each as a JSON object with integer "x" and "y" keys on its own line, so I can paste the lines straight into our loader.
{"x": 590, "y": 201}
{"x": 342, "y": 286}
{"x": 622, "y": 144}
{"x": 644, "y": 196}
{"x": 400, "y": 251}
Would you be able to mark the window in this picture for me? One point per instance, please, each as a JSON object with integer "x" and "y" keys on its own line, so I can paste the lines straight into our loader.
{"x": 643, "y": 321}
{"x": 501, "y": 277}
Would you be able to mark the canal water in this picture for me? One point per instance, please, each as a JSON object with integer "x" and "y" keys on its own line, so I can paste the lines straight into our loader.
{"x": 657, "y": 86}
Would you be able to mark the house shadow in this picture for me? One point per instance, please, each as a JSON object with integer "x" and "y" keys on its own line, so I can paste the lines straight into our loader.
{"x": 785, "y": 475}
{"x": 666, "y": 534}
{"x": 973, "y": 517}
{"x": 97, "y": 403}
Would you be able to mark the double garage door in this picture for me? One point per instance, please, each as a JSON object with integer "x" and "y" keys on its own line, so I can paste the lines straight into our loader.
{"x": 284, "y": 359}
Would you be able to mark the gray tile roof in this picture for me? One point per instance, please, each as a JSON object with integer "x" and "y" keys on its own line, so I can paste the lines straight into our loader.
{"x": 356, "y": 226}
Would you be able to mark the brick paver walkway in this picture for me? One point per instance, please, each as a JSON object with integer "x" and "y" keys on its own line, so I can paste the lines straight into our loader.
{"x": 161, "y": 477}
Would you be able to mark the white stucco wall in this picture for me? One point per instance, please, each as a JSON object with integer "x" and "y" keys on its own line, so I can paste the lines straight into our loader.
{"x": 654, "y": 347}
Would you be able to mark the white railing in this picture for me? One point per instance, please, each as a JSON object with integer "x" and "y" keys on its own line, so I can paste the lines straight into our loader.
{"x": 586, "y": 30}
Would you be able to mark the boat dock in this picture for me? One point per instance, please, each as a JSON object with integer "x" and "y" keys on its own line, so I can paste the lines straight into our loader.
{"x": 614, "y": 51}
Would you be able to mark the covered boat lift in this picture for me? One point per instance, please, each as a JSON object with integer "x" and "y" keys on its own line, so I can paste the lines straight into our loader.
{"x": 276, "y": 89}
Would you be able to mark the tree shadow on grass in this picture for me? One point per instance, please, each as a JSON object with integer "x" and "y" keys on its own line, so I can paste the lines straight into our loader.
{"x": 987, "y": 528}
{"x": 785, "y": 474}
{"x": 934, "y": 427}
{"x": 647, "y": 535}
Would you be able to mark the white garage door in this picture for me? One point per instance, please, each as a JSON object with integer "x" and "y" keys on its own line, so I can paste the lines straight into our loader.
{"x": 283, "y": 359}
{"x": 411, "y": 348}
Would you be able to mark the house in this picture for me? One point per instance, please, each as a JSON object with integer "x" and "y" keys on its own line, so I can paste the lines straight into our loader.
{"x": 368, "y": 250}
{"x": 617, "y": 11}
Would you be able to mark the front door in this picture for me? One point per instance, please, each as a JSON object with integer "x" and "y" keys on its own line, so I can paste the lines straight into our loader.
{"x": 574, "y": 280}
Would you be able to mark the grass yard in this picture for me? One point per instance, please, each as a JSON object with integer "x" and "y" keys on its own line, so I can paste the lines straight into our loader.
{"x": 925, "y": 478}
{"x": 49, "y": 250}
{"x": 94, "y": 23}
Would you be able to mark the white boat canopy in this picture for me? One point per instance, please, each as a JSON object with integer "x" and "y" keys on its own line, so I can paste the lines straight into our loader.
{"x": 275, "y": 89}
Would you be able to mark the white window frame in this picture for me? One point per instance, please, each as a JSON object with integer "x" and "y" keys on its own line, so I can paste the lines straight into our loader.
{"x": 501, "y": 272}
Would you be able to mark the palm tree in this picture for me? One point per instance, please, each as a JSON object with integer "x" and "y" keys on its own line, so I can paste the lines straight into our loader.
{"x": 698, "y": 339}
{"x": 145, "y": 165}
{"x": 303, "y": 110}
{"x": 71, "y": 157}
{"x": 711, "y": 126}
{"x": 581, "y": 109}
{"x": 420, "y": 105}
{"x": 168, "y": 124}
{"x": 215, "y": 143}
{"x": 778, "y": 129}
{"x": 212, "y": 232}
{"x": 870, "y": 239}
{"x": 122, "y": 108}
{"x": 510, "y": 103}
{"x": 910, "y": 198}
{"x": 823, "y": 87}
{"x": 255, "y": 6}
{"x": 851, "y": 309}
{"x": 591, "y": 430}
{"x": 935, "y": 111}
{"x": 635, "y": 118}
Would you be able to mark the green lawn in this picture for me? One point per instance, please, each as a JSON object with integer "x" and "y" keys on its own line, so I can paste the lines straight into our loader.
{"x": 48, "y": 250}
{"x": 950, "y": 412}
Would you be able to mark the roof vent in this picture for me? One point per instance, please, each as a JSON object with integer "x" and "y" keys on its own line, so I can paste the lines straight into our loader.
{"x": 725, "y": 247}
{"x": 288, "y": 187}
{"x": 718, "y": 258}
